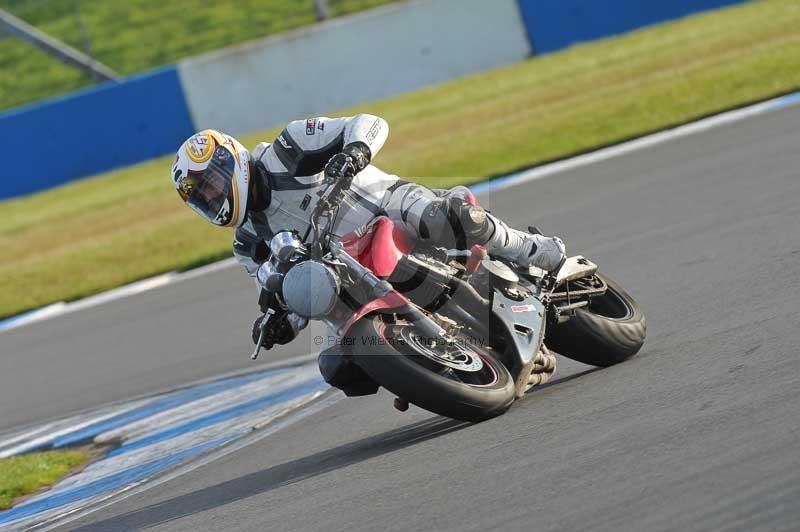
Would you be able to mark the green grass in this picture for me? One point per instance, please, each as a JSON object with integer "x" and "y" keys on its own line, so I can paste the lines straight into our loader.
{"x": 27, "y": 473}
{"x": 135, "y": 35}
{"x": 103, "y": 232}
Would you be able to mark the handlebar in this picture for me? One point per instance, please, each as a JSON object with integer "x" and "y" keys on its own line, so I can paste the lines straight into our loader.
{"x": 328, "y": 206}
{"x": 338, "y": 186}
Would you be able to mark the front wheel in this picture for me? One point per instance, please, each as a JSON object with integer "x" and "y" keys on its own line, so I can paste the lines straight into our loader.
{"x": 611, "y": 329}
{"x": 461, "y": 381}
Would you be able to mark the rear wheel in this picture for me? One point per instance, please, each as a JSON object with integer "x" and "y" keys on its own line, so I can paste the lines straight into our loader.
{"x": 611, "y": 329}
{"x": 461, "y": 381}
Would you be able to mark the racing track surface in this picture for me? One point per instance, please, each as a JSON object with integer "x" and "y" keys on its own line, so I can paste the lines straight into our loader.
{"x": 151, "y": 342}
{"x": 699, "y": 432}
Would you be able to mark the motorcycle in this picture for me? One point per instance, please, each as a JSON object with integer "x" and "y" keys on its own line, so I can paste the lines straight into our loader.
{"x": 452, "y": 331}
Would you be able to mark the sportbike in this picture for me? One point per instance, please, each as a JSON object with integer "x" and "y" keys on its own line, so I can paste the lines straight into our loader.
{"x": 452, "y": 331}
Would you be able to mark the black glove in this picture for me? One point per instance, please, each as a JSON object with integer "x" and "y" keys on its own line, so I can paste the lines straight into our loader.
{"x": 353, "y": 159}
{"x": 279, "y": 331}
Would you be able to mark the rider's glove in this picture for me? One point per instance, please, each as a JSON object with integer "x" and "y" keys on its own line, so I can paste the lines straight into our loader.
{"x": 280, "y": 331}
{"x": 353, "y": 159}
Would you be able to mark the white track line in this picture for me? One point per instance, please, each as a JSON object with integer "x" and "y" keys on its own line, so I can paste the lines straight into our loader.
{"x": 145, "y": 285}
{"x": 291, "y": 417}
{"x": 494, "y": 185}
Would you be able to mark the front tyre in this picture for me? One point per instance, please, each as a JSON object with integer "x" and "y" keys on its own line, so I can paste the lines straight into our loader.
{"x": 611, "y": 329}
{"x": 464, "y": 382}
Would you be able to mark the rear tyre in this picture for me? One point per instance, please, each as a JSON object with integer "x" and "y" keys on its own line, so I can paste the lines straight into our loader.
{"x": 611, "y": 329}
{"x": 476, "y": 388}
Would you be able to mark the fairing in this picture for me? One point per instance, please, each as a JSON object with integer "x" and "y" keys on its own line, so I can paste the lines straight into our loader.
{"x": 524, "y": 322}
{"x": 380, "y": 248}
{"x": 392, "y": 300}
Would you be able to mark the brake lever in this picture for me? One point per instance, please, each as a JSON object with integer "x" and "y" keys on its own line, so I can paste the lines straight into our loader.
{"x": 263, "y": 329}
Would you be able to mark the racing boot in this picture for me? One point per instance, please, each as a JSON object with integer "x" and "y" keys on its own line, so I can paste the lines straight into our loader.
{"x": 474, "y": 225}
{"x": 526, "y": 249}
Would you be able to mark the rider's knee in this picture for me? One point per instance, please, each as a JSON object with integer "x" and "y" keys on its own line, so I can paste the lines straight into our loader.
{"x": 434, "y": 222}
{"x": 456, "y": 223}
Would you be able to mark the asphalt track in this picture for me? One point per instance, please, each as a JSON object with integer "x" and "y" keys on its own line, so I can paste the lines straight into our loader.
{"x": 698, "y": 432}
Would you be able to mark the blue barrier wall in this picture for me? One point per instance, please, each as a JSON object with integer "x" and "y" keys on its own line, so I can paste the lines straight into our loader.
{"x": 555, "y": 24}
{"x": 119, "y": 124}
{"x": 113, "y": 125}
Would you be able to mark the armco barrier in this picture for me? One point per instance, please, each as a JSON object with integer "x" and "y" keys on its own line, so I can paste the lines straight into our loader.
{"x": 344, "y": 62}
{"x": 113, "y": 125}
{"x": 555, "y": 24}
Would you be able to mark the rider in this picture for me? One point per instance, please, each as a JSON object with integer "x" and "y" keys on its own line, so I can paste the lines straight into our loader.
{"x": 275, "y": 187}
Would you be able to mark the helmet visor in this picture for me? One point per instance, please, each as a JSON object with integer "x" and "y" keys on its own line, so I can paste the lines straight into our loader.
{"x": 211, "y": 193}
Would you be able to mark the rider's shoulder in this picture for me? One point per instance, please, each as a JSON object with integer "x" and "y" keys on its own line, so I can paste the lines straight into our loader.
{"x": 259, "y": 150}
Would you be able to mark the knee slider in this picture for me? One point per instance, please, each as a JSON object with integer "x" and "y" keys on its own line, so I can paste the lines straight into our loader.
{"x": 471, "y": 224}
{"x": 454, "y": 223}
{"x": 434, "y": 222}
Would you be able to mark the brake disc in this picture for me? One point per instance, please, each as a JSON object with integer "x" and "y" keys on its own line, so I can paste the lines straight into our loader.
{"x": 455, "y": 355}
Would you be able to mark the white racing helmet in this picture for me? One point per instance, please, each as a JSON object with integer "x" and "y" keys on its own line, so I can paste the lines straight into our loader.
{"x": 212, "y": 175}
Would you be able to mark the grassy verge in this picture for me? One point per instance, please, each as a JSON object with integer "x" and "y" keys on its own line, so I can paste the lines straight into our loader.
{"x": 99, "y": 233}
{"x": 25, "y": 474}
{"x": 135, "y": 35}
